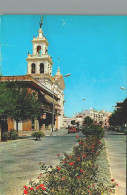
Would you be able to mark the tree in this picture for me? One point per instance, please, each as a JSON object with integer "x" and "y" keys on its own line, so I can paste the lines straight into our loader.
{"x": 119, "y": 117}
{"x": 73, "y": 122}
{"x": 88, "y": 121}
{"x": 16, "y": 103}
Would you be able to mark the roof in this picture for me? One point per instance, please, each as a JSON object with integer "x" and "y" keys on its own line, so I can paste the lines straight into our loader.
{"x": 33, "y": 82}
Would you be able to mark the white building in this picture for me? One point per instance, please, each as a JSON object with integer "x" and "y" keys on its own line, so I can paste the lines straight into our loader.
{"x": 39, "y": 66}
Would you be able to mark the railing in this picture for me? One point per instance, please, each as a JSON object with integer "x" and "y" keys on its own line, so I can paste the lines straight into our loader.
{"x": 39, "y": 55}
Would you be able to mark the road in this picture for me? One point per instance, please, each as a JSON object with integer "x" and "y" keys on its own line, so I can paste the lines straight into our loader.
{"x": 19, "y": 159}
{"x": 116, "y": 149}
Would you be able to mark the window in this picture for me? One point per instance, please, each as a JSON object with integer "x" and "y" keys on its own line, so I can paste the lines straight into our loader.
{"x": 41, "y": 68}
{"x": 33, "y": 124}
{"x": 38, "y": 49}
{"x": 33, "y": 68}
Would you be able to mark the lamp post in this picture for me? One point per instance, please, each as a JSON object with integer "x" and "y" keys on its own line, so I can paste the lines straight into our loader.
{"x": 67, "y": 75}
{"x": 84, "y": 99}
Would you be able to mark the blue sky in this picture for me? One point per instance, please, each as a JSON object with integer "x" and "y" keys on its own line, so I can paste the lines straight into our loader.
{"x": 92, "y": 48}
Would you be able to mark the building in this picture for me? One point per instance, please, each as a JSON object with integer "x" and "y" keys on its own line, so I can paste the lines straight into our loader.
{"x": 49, "y": 88}
{"x": 96, "y": 116}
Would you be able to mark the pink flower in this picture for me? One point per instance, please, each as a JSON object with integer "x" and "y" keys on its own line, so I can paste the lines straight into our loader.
{"x": 77, "y": 136}
{"x": 58, "y": 154}
{"x": 25, "y": 192}
{"x": 40, "y": 173}
{"x": 63, "y": 178}
{"x": 117, "y": 184}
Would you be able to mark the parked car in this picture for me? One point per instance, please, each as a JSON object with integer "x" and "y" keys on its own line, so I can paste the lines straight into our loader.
{"x": 72, "y": 130}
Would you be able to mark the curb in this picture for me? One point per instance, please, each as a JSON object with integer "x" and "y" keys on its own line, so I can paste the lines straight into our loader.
{"x": 110, "y": 166}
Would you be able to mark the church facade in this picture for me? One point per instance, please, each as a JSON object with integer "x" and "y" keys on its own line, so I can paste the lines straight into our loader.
{"x": 50, "y": 88}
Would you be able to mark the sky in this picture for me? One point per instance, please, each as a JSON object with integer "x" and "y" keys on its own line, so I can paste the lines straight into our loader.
{"x": 93, "y": 49}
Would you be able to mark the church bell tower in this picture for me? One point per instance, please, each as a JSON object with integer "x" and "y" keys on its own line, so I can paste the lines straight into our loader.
{"x": 39, "y": 62}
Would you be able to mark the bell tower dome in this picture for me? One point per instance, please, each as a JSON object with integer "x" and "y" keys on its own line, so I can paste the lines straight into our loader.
{"x": 39, "y": 62}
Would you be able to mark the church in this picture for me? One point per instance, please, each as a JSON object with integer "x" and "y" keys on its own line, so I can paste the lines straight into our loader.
{"x": 50, "y": 88}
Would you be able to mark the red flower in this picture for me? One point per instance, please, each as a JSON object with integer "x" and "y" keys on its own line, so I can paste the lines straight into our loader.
{"x": 41, "y": 185}
{"x": 37, "y": 187}
{"x": 88, "y": 190}
{"x": 71, "y": 163}
{"x": 81, "y": 170}
{"x": 40, "y": 173}
{"x": 77, "y": 136}
{"x": 58, "y": 168}
{"x": 80, "y": 143}
{"x": 25, "y": 192}
{"x": 43, "y": 188}
{"x": 89, "y": 187}
{"x": 58, "y": 154}
{"x": 78, "y": 177}
{"x": 78, "y": 158}
{"x": 93, "y": 185}
{"x": 69, "y": 156}
{"x": 63, "y": 178}
{"x": 31, "y": 188}
{"x": 25, "y": 187}
{"x": 117, "y": 184}
{"x": 112, "y": 180}
{"x": 84, "y": 155}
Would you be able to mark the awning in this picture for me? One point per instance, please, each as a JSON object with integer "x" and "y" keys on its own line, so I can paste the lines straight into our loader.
{"x": 49, "y": 98}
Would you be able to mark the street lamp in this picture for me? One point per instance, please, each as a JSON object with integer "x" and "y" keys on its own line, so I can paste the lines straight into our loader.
{"x": 67, "y": 75}
{"x": 84, "y": 99}
{"x": 123, "y": 88}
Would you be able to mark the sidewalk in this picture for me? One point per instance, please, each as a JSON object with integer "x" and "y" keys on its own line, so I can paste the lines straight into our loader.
{"x": 116, "y": 150}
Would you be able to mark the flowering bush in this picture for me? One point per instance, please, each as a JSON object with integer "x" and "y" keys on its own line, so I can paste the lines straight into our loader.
{"x": 76, "y": 173}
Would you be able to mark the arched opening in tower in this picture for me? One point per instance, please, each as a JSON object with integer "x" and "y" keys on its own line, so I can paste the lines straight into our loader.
{"x": 41, "y": 68}
{"x": 32, "y": 68}
{"x": 38, "y": 49}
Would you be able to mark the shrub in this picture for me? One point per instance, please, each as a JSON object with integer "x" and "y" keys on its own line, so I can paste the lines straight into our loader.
{"x": 4, "y": 136}
{"x": 94, "y": 130}
{"x": 13, "y": 134}
{"x": 38, "y": 135}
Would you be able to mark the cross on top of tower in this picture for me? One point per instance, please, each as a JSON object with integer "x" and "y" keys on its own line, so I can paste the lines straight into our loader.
{"x": 41, "y": 21}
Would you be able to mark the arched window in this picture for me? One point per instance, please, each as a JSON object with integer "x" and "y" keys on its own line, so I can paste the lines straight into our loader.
{"x": 32, "y": 68}
{"x": 38, "y": 49}
{"x": 41, "y": 68}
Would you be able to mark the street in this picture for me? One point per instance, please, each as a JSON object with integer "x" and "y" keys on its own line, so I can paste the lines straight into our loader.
{"x": 116, "y": 149}
{"x": 19, "y": 159}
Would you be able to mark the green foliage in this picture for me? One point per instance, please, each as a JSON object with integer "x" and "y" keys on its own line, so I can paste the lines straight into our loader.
{"x": 38, "y": 135}
{"x": 73, "y": 122}
{"x": 76, "y": 173}
{"x": 16, "y": 103}
{"x": 12, "y": 134}
{"x": 88, "y": 121}
{"x": 119, "y": 117}
{"x": 94, "y": 130}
